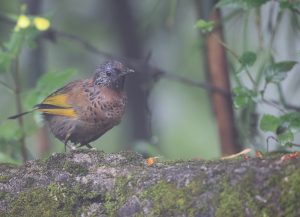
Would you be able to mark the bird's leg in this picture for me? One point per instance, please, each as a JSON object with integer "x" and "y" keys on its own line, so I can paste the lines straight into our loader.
{"x": 71, "y": 147}
{"x": 66, "y": 144}
{"x": 89, "y": 146}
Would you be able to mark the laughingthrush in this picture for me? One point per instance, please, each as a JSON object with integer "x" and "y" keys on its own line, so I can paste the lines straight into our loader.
{"x": 83, "y": 110}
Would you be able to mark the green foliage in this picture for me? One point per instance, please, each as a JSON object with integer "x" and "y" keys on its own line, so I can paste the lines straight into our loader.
{"x": 269, "y": 123}
{"x": 287, "y": 4}
{"x": 248, "y": 59}
{"x": 284, "y": 127}
{"x": 243, "y": 97}
{"x": 247, "y": 98}
{"x": 23, "y": 34}
{"x": 205, "y": 26}
{"x": 277, "y": 72}
{"x": 46, "y": 84}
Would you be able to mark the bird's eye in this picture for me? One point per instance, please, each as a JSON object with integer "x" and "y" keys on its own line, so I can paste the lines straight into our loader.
{"x": 108, "y": 73}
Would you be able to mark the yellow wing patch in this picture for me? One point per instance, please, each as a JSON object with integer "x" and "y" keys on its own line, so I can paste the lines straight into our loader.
{"x": 68, "y": 112}
{"x": 57, "y": 100}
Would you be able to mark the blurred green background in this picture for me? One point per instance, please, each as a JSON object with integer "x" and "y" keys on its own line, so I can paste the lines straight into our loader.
{"x": 181, "y": 120}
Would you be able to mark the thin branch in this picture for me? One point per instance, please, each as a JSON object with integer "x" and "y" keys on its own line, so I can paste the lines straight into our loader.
{"x": 16, "y": 78}
{"x": 203, "y": 85}
{"x": 296, "y": 10}
{"x": 7, "y": 20}
{"x": 258, "y": 28}
{"x": 88, "y": 46}
{"x": 139, "y": 64}
{"x": 52, "y": 34}
{"x": 7, "y": 86}
{"x": 278, "y": 105}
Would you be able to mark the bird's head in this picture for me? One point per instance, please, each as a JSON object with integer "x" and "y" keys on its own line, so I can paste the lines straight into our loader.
{"x": 111, "y": 74}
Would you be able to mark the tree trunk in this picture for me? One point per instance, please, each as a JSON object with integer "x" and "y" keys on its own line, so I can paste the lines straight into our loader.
{"x": 132, "y": 47}
{"x": 218, "y": 76}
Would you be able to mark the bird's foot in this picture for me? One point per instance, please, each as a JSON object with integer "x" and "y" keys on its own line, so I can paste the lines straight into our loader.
{"x": 70, "y": 146}
{"x": 90, "y": 147}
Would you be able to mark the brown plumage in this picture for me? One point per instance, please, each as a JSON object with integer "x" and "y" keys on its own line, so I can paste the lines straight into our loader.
{"x": 84, "y": 110}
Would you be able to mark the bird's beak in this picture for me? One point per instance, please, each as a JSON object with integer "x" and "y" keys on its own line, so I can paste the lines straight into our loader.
{"x": 127, "y": 72}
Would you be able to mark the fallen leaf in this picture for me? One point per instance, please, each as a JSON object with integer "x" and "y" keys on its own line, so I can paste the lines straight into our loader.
{"x": 258, "y": 154}
{"x": 246, "y": 157}
{"x": 151, "y": 161}
{"x": 288, "y": 157}
{"x": 245, "y": 151}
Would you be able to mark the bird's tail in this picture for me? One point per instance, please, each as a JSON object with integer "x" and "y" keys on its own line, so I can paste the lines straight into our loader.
{"x": 21, "y": 114}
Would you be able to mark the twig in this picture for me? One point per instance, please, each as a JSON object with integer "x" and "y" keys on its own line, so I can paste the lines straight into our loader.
{"x": 277, "y": 105}
{"x": 185, "y": 80}
{"x": 287, "y": 106}
{"x": 52, "y": 34}
{"x": 273, "y": 104}
{"x": 7, "y": 86}
{"x": 7, "y": 20}
{"x": 16, "y": 78}
{"x": 89, "y": 47}
{"x": 258, "y": 28}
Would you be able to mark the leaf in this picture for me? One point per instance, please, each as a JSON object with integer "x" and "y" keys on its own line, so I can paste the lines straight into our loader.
{"x": 278, "y": 71}
{"x": 287, "y": 4}
{"x": 282, "y": 127}
{"x": 284, "y": 4}
{"x": 248, "y": 58}
{"x": 242, "y": 97}
{"x": 48, "y": 83}
{"x": 205, "y": 26}
{"x": 292, "y": 120}
{"x": 56, "y": 79}
{"x": 4, "y": 158}
{"x": 10, "y": 131}
{"x": 269, "y": 123}
{"x": 286, "y": 138}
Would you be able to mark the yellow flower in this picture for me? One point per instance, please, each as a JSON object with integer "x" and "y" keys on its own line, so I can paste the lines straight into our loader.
{"x": 22, "y": 23}
{"x": 41, "y": 23}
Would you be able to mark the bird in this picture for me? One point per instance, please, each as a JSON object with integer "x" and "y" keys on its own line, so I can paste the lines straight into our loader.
{"x": 83, "y": 110}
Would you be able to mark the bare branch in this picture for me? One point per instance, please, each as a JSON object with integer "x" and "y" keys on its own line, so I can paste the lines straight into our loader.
{"x": 140, "y": 65}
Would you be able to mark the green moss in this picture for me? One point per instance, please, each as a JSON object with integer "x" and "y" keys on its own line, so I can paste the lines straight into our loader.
{"x": 75, "y": 168}
{"x": 53, "y": 200}
{"x": 4, "y": 178}
{"x": 166, "y": 199}
{"x": 170, "y": 200}
{"x": 235, "y": 200}
{"x": 55, "y": 161}
{"x": 3, "y": 195}
{"x": 230, "y": 203}
{"x": 114, "y": 200}
{"x": 290, "y": 194}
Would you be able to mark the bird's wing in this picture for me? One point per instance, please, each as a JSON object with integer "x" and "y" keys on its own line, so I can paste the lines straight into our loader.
{"x": 58, "y": 103}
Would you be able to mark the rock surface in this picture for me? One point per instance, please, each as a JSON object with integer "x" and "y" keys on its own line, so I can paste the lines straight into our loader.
{"x": 93, "y": 183}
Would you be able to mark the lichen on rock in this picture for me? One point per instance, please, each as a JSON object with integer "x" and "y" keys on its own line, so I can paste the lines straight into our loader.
{"x": 93, "y": 183}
